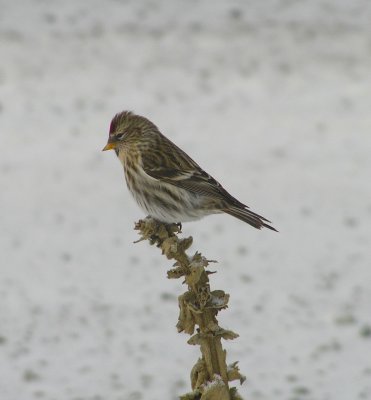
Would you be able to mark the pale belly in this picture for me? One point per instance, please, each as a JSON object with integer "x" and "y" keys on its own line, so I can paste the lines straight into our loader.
{"x": 166, "y": 202}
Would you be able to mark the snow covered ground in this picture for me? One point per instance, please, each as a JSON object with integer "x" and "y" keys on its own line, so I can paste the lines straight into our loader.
{"x": 271, "y": 97}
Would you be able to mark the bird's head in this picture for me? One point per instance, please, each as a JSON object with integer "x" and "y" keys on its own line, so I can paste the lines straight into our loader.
{"x": 126, "y": 128}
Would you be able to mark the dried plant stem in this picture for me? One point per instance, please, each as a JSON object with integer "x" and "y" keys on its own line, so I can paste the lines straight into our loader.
{"x": 199, "y": 307}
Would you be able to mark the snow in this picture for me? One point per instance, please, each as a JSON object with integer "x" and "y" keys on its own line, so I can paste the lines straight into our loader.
{"x": 273, "y": 99}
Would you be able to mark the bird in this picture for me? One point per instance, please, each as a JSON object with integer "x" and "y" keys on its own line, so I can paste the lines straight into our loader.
{"x": 165, "y": 182}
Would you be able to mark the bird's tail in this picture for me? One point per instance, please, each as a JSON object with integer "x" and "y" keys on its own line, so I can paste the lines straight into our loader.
{"x": 255, "y": 220}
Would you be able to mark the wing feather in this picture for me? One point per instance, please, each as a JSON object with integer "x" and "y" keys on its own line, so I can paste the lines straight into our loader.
{"x": 172, "y": 165}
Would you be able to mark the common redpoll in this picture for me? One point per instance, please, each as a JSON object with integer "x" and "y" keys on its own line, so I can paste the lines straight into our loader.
{"x": 166, "y": 183}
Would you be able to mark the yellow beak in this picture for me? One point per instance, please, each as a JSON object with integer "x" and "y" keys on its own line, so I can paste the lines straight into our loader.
{"x": 110, "y": 146}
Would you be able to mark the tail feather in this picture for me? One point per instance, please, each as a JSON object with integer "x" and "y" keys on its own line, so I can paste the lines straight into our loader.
{"x": 253, "y": 219}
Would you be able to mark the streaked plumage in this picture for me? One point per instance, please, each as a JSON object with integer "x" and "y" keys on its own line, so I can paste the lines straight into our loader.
{"x": 166, "y": 183}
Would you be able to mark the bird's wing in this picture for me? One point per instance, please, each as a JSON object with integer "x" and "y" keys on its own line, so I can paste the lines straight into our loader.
{"x": 175, "y": 167}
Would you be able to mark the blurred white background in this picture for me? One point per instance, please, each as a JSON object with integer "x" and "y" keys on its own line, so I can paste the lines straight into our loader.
{"x": 273, "y": 99}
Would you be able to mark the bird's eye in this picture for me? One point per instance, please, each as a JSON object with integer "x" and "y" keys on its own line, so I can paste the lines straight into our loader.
{"x": 120, "y": 136}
